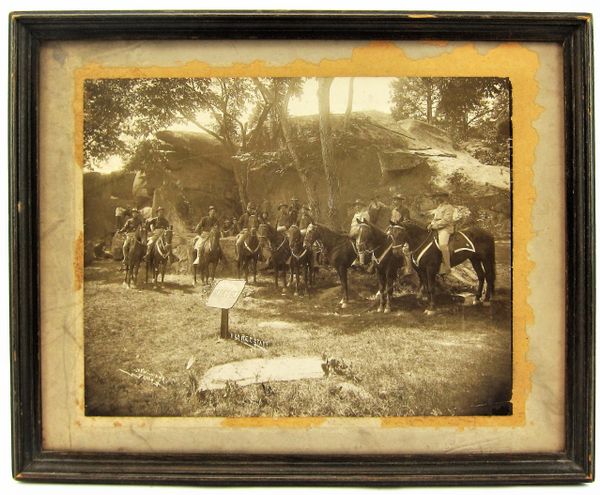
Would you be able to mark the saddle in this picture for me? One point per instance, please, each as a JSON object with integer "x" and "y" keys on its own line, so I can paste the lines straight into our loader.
{"x": 459, "y": 241}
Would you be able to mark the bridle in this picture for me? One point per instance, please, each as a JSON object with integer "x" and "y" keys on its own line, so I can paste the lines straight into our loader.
{"x": 268, "y": 239}
{"x": 163, "y": 247}
{"x": 359, "y": 242}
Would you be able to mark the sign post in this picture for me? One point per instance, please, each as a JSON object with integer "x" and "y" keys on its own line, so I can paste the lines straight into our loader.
{"x": 224, "y": 296}
{"x": 224, "y": 323}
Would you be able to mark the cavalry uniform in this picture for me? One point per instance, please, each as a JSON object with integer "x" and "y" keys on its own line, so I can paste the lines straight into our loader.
{"x": 131, "y": 226}
{"x": 156, "y": 225}
{"x": 283, "y": 219}
{"x": 400, "y": 212}
{"x": 294, "y": 211}
{"x": 305, "y": 220}
{"x": 443, "y": 223}
{"x": 203, "y": 229}
{"x": 361, "y": 216}
{"x": 247, "y": 222}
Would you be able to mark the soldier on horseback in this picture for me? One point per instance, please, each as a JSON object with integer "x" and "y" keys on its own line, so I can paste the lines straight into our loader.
{"x": 247, "y": 222}
{"x": 294, "y": 210}
{"x": 203, "y": 229}
{"x": 305, "y": 219}
{"x": 156, "y": 225}
{"x": 400, "y": 212}
{"x": 361, "y": 215}
{"x": 131, "y": 226}
{"x": 443, "y": 224}
{"x": 283, "y": 218}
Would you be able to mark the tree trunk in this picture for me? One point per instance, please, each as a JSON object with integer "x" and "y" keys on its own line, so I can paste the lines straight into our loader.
{"x": 429, "y": 96}
{"x": 349, "y": 103}
{"x": 306, "y": 178}
{"x": 329, "y": 166}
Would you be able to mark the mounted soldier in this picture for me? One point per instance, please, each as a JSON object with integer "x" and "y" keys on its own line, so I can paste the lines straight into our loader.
{"x": 283, "y": 218}
{"x": 247, "y": 222}
{"x": 156, "y": 226}
{"x": 294, "y": 210}
{"x": 203, "y": 229}
{"x": 305, "y": 219}
{"x": 131, "y": 225}
{"x": 443, "y": 224}
{"x": 361, "y": 215}
{"x": 400, "y": 212}
{"x": 228, "y": 229}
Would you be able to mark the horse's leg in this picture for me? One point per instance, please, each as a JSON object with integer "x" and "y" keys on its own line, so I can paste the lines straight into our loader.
{"x": 194, "y": 270}
{"x": 285, "y": 274}
{"x": 390, "y": 276}
{"x": 147, "y": 267}
{"x": 478, "y": 267}
{"x": 381, "y": 288}
{"x": 297, "y": 275}
{"x": 343, "y": 275}
{"x": 430, "y": 274}
{"x": 275, "y": 272}
{"x": 254, "y": 263}
{"x": 489, "y": 265}
{"x": 163, "y": 269}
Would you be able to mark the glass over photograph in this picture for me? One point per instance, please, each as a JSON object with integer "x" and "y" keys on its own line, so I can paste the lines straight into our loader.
{"x": 298, "y": 247}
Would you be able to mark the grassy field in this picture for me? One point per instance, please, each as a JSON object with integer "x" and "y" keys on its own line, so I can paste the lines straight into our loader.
{"x": 146, "y": 349}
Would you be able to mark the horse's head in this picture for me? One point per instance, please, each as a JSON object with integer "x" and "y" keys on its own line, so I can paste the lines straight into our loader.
{"x": 364, "y": 238}
{"x": 397, "y": 233}
{"x": 312, "y": 235}
{"x": 294, "y": 235}
{"x": 168, "y": 235}
{"x": 141, "y": 234}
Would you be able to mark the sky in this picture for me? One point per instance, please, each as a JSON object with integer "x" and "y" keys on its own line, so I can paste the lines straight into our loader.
{"x": 370, "y": 93}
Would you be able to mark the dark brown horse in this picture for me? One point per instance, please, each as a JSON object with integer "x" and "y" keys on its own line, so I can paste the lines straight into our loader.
{"x": 385, "y": 250}
{"x": 277, "y": 243}
{"x": 209, "y": 256}
{"x": 136, "y": 248}
{"x": 159, "y": 256}
{"x": 248, "y": 253}
{"x": 339, "y": 251}
{"x": 474, "y": 244}
{"x": 301, "y": 260}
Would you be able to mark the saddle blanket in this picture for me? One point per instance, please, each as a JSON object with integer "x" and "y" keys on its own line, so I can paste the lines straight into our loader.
{"x": 459, "y": 241}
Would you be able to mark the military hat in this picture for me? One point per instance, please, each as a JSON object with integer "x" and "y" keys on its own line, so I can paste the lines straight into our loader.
{"x": 281, "y": 205}
{"x": 359, "y": 202}
{"x": 135, "y": 209}
{"x": 306, "y": 207}
{"x": 294, "y": 198}
{"x": 227, "y": 221}
{"x": 211, "y": 208}
{"x": 398, "y": 196}
{"x": 160, "y": 208}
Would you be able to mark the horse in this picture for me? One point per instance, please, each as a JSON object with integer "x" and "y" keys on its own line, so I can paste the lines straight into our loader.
{"x": 248, "y": 252}
{"x": 385, "y": 249}
{"x": 339, "y": 251}
{"x": 133, "y": 257}
{"x": 280, "y": 250}
{"x": 301, "y": 260}
{"x": 158, "y": 258}
{"x": 209, "y": 256}
{"x": 474, "y": 244}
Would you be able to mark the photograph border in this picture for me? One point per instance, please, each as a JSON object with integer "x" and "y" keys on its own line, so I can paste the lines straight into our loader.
{"x": 31, "y": 462}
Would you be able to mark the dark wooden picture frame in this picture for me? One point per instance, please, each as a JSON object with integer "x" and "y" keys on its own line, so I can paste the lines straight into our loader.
{"x": 32, "y": 463}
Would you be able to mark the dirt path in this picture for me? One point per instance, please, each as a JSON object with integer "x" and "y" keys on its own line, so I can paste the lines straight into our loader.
{"x": 147, "y": 349}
